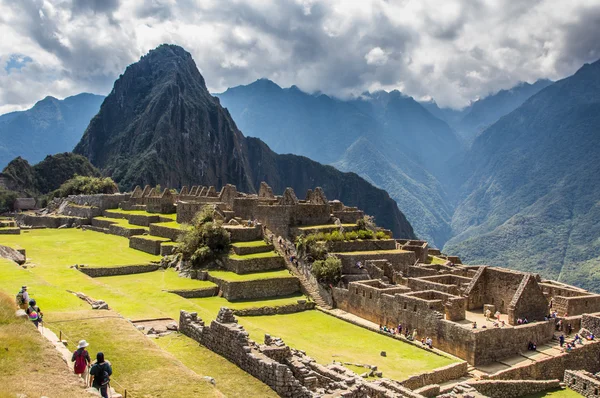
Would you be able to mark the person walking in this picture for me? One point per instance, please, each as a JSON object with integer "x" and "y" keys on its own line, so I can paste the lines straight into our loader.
{"x": 34, "y": 313}
{"x": 82, "y": 360}
{"x": 100, "y": 375}
{"x": 22, "y": 298}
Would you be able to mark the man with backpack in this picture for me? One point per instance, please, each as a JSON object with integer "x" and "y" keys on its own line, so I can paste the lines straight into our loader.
{"x": 82, "y": 360}
{"x": 34, "y": 313}
{"x": 22, "y": 298}
{"x": 100, "y": 375}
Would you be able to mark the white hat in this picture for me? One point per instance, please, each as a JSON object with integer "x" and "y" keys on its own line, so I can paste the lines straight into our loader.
{"x": 83, "y": 344}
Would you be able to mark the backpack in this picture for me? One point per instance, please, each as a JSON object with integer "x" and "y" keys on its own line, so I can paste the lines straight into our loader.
{"x": 103, "y": 377}
{"x": 20, "y": 299}
{"x": 80, "y": 362}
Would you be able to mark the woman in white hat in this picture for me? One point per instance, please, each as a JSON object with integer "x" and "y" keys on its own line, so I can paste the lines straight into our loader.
{"x": 82, "y": 360}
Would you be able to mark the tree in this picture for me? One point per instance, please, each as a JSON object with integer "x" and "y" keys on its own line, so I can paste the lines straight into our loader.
{"x": 328, "y": 271}
{"x": 205, "y": 241}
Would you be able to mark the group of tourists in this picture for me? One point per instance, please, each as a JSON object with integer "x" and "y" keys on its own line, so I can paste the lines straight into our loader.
{"x": 30, "y": 306}
{"x": 99, "y": 372}
{"x": 397, "y": 331}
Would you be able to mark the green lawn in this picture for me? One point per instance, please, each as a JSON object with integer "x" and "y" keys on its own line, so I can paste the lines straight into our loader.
{"x": 233, "y": 277}
{"x": 169, "y": 224}
{"x": 436, "y": 260}
{"x": 269, "y": 254}
{"x": 326, "y": 338}
{"x": 559, "y": 393}
{"x": 253, "y": 243}
{"x": 122, "y": 222}
{"x": 154, "y": 238}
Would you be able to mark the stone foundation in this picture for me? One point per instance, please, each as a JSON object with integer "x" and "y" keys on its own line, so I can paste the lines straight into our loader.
{"x": 196, "y": 293}
{"x": 145, "y": 244}
{"x": 585, "y": 383}
{"x": 96, "y": 272}
{"x": 255, "y": 289}
{"x": 283, "y": 309}
{"x": 247, "y": 266}
{"x": 513, "y": 388}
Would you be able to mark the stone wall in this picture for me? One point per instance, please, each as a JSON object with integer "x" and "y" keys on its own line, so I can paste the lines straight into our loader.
{"x": 400, "y": 260}
{"x": 165, "y": 232}
{"x": 259, "y": 288}
{"x": 528, "y": 302}
{"x": 227, "y": 338}
{"x": 591, "y": 323}
{"x": 81, "y": 211}
{"x": 96, "y": 272}
{"x": 586, "y": 357}
{"x": 349, "y": 216}
{"x": 196, "y": 293}
{"x": 49, "y": 221}
{"x": 576, "y": 305}
{"x": 115, "y": 229}
{"x": 513, "y": 388}
{"x": 143, "y": 220}
{"x": 437, "y": 376}
{"x": 493, "y": 286}
{"x": 247, "y": 266}
{"x": 243, "y": 250}
{"x": 187, "y": 210}
{"x": 585, "y": 383}
{"x": 10, "y": 231}
{"x": 282, "y": 309}
{"x": 102, "y": 201}
{"x": 240, "y": 233}
{"x": 142, "y": 243}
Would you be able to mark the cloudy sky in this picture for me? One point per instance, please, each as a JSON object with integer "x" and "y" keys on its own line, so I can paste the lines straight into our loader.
{"x": 453, "y": 51}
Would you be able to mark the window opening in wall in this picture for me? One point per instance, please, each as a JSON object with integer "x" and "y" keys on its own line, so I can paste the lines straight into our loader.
{"x": 586, "y": 303}
{"x": 363, "y": 293}
{"x": 370, "y": 295}
{"x": 356, "y": 290}
{"x": 595, "y": 391}
{"x": 415, "y": 309}
{"x": 573, "y": 381}
{"x": 404, "y": 305}
{"x": 584, "y": 386}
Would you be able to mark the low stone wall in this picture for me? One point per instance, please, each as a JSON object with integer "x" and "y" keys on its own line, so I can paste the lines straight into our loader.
{"x": 585, "y": 383}
{"x": 150, "y": 246}
{"x": 361, "y": 245}
{"x": 143, "y": 220}
{"x": 49, "y": 221}
{"x": 513, "y": 388}
{"x": 96, "y": 272}
{"x": 260, "y": 288}
{"x": 278, "y": 310}
{"x": 94, "y": 228}
{"x": 165, "y": 232}
{"x": 400, "y": 260}
{"x": 102, "y": 223}
{"x": 115, "y": 214}
{"x": 244, "y": 234}
{"x": 118, "y": 230}
{"x": 10, "y": 231}
{"x": 254, "y": 264}
{"x": 437, "y": 376}
{"x": 586, "y": 357}
{"x": 76, "y": 210}
{"x": 102, "y": 201}
{"x": 591, "y": 323}
{"x": 243, "y": 250}
{"x": 196, "y": 293}
{"x": 167, "y": 250}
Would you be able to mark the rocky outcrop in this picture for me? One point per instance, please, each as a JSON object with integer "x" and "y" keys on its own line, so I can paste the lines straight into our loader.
{"x": 12, "y": 254}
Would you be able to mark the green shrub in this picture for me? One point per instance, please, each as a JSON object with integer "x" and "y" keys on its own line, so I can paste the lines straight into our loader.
{"x": 336, "y": 236}
{"x": 327, "y": 271}
{"x": 206, "y": 241}
{"x": 317, "y": 250}
{"x": 382, "y": 235}
{"x": 7, "y": 200}
{"x": 365, "y": 234}
{"x": 81, "y": 185}
{"x": 351, "y": 235}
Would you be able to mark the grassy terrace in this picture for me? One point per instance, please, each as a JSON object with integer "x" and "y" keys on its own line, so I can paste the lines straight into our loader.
{"x": 233, "y": 277}
{"x": 156, "y": 367}
{"x": 436, "y": 260}
{"x": 121, "y": 222}
{"x": 252, "y": 256}
{"x": 394, "y": 251}
{"x": 142, "y": 213}
{"x": 168, "y": 224}
{"x": 253, "y": 243}
{"x": 566, "y": 393}
{"x": 352, "y": 343}
{"x": 326, "y": 226}
{"x": 154, "y": 238}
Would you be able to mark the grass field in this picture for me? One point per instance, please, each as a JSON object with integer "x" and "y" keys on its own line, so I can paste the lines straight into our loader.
{"x": 254, "y": 255}
{"x": 566, "y": 393}
{"x": 144, "y": 296}
{"x": 342, "y": 341}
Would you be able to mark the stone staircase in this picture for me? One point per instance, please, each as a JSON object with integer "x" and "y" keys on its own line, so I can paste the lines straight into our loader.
{"x": 309, "y": 288}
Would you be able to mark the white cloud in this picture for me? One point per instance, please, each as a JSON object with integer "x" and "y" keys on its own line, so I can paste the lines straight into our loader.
{"x": 376, "y": 57}
{"x": 453, "y": 52}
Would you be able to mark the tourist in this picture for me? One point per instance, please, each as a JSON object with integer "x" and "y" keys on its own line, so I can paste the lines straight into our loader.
{"x": 34, "y": 313}
{"x": 525, "y": 321}
{"x": 590, "y": 336}
{"x": 531, "y": 346}
{"x": 429, "y": 342}
{"x": 569, "y": 329}
{"x": 488, "y": 313}
{"x": 399, "y": 328}
{"x": 519, "y": 321}
{"x": 22, "y": 298}
{"x": 502, "y": 324}
{"x": 414, "y": 334}
{"x": 82, "y": 359}
{"x": 474, "y": 326}
{"x": 558, "y": 325}
{"x": 561, "y": 339}
{"x": 495, "y": 324}
{"x": 423, "y": 341}
{"x": 497, "y": 315}
{"x": 100, "y": 375}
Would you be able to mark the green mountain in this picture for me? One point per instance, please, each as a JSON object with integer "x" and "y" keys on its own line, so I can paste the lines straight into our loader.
{"x": 387, "y": 138}
{"x": 50, "y": 126}
{"x": 532, "y": 187}
{"x": 160, "y": 125}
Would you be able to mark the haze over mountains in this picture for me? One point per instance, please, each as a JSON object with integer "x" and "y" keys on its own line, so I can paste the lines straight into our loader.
{"x": 511, "y": 180}
{"x": 51, "y": 126}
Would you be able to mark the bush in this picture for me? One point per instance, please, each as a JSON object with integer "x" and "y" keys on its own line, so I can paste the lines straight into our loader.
{"x": 80, "y": 185}
{"x": 365, "y": 234}
{"x": 351, "y": 235}
{"x": 328, "y": 271}
{"x": 7, "y": 200}
{"x": 336, "y": 236}
{"x": 317, "y": 250}
{"x": 206, "y": 241}
{"x": 382, "y": 235}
